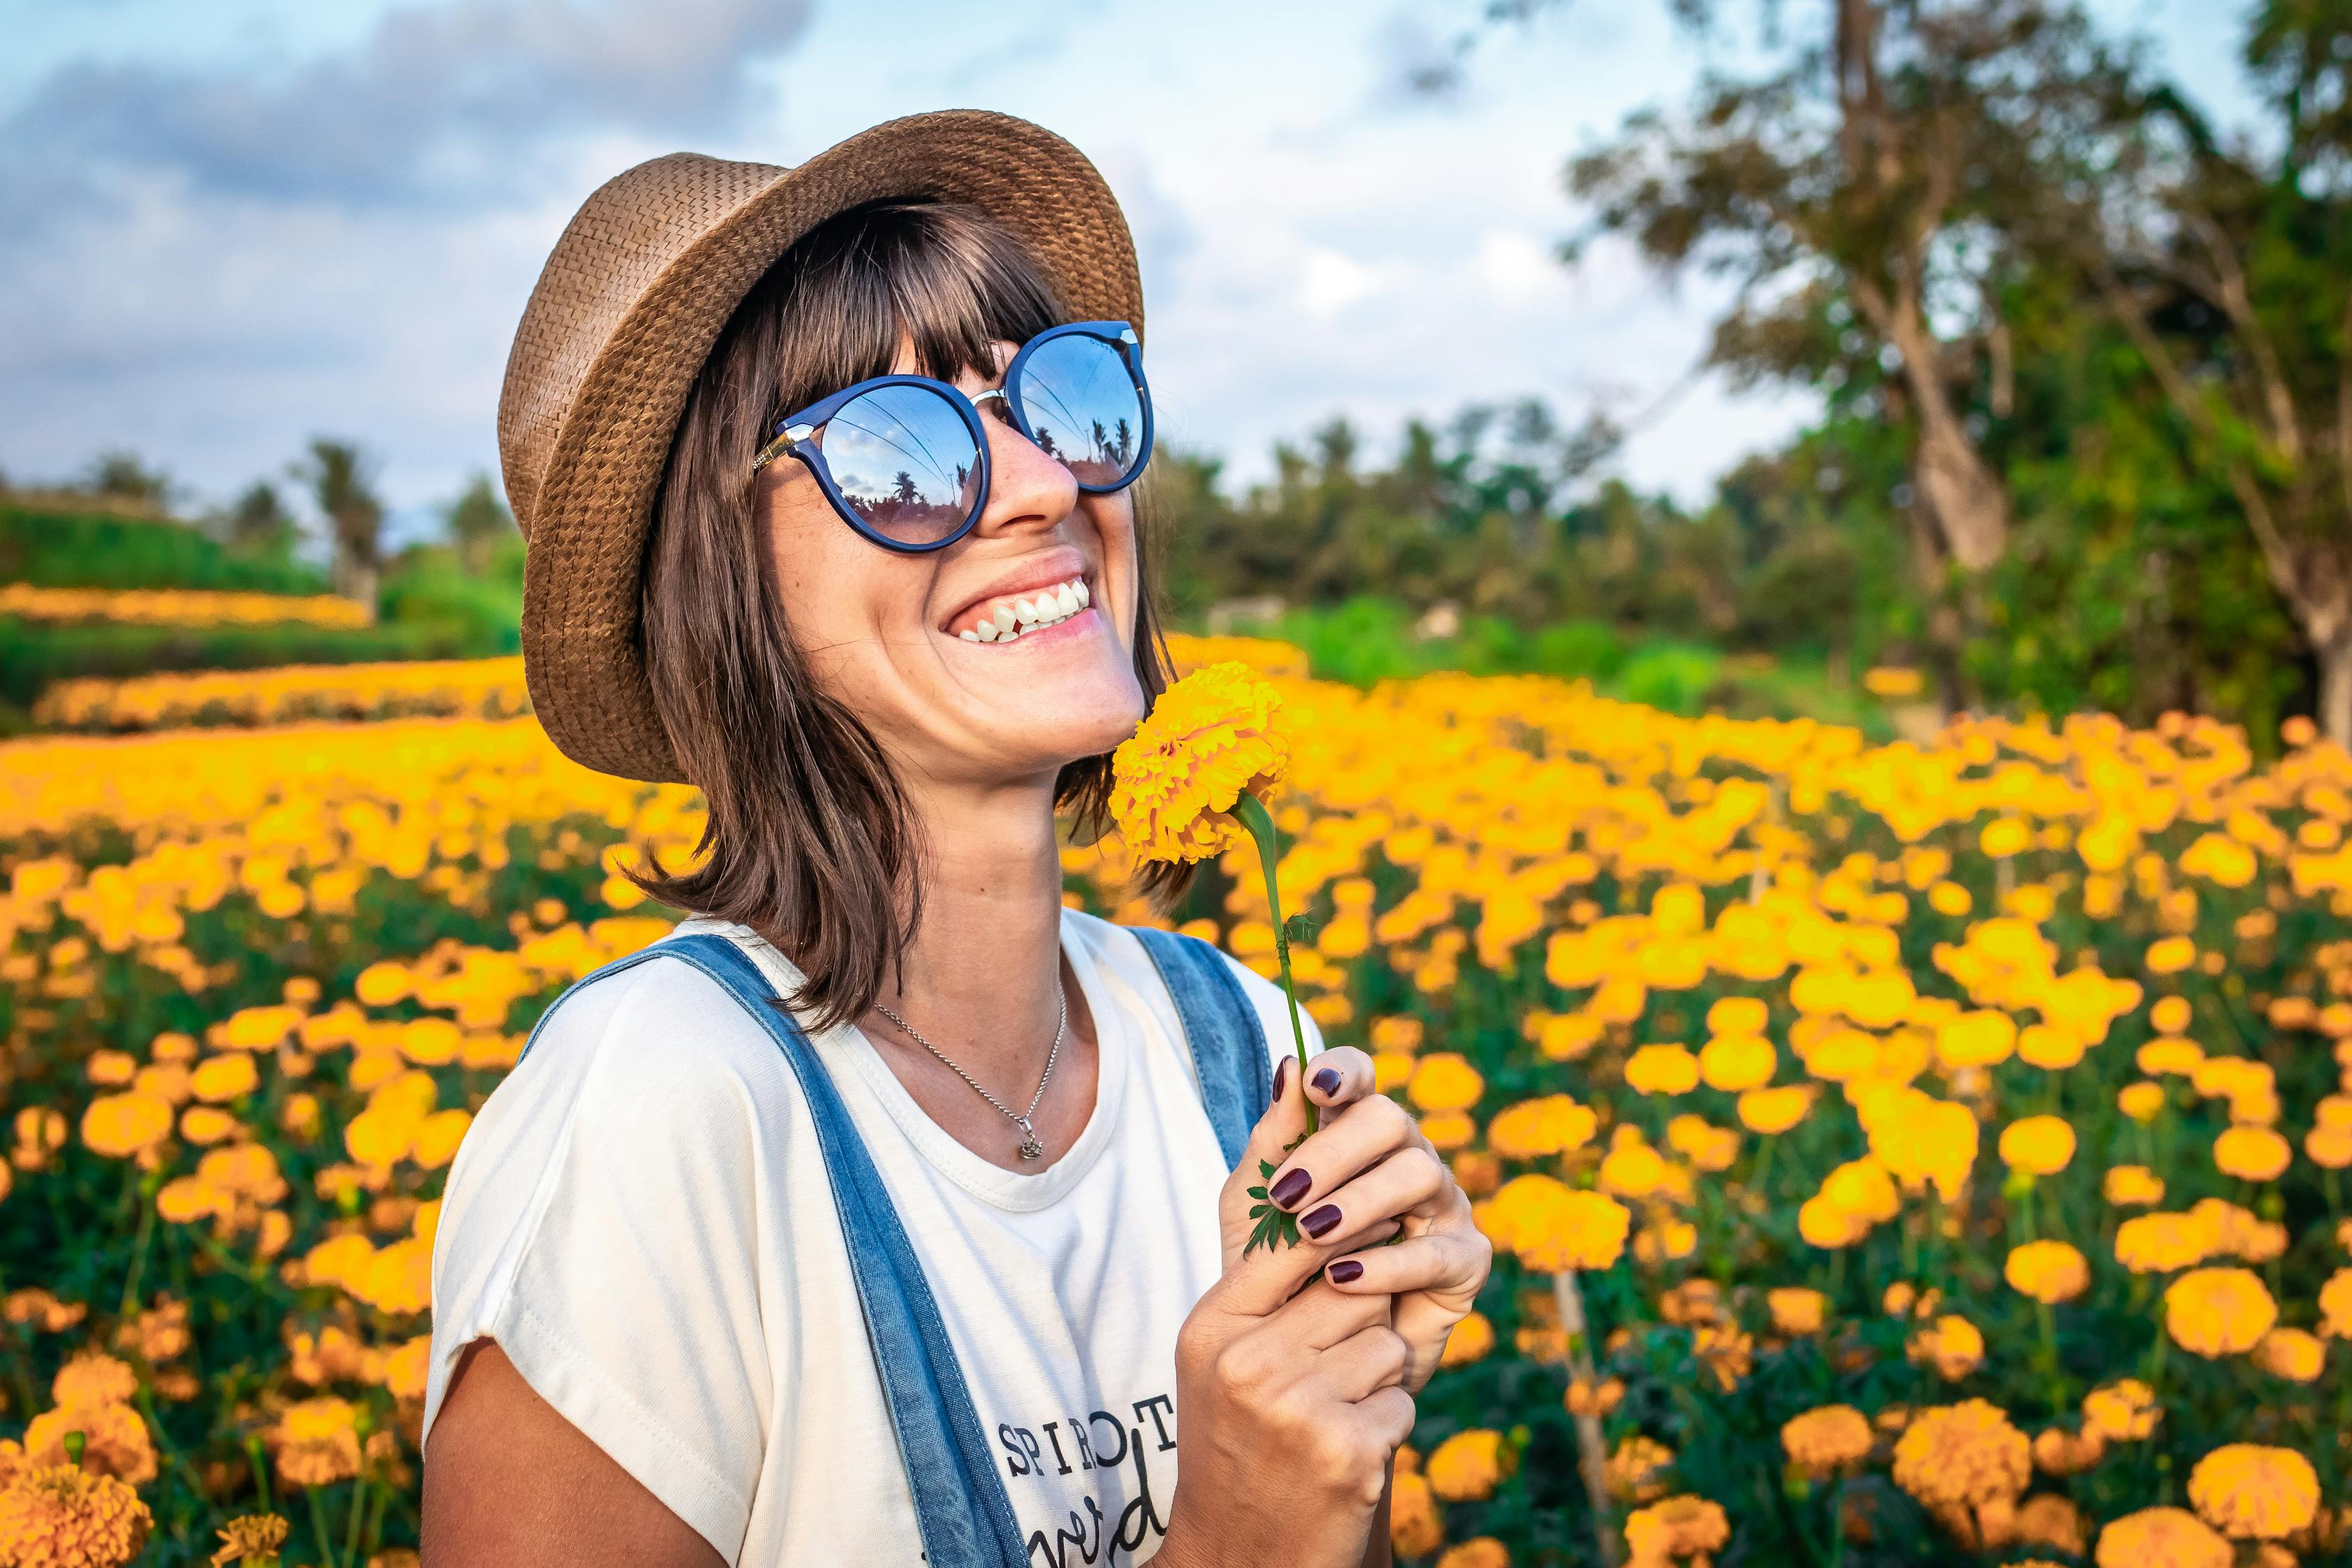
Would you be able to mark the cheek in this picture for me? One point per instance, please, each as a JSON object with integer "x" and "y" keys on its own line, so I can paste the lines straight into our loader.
{"x": 838, "y": 609}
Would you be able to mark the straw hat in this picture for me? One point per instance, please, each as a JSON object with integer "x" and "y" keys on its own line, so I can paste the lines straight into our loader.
{"x": 637, "y": 291}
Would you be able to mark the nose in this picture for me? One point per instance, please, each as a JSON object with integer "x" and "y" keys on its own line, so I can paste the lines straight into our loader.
{"x": 1029, "y": 490}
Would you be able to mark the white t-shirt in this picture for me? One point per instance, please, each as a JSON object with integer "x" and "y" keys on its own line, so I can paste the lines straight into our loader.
{"x": 641, "y": 1217}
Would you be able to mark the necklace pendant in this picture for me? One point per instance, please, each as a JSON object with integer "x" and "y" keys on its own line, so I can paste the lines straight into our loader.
{"x": 1031, "y": 1149}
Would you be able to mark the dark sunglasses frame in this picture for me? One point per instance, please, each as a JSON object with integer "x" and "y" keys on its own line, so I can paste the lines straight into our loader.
{"x": 795, "y": 433}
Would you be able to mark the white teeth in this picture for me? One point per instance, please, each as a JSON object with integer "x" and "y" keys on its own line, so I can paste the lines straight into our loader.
{"x": 1025, "y": 611}
{"x": 968, "y": 636}
{"x": 1079, "y": 591}
{"x": 987, "y": 632}
{"x": 1047, "y": 607}
{"x": 1004, "y": 619}
{"x": 1066, "y": 601}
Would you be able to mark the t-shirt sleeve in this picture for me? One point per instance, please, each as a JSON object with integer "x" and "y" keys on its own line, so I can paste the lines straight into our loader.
{"x": 1273, "y": 1014}
{"x": 601, "y": 1224}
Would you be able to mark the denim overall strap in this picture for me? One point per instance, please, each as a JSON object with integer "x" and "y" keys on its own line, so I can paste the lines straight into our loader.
{"x": 960, "y": 1505}
{"x": 1229, "y": 1048}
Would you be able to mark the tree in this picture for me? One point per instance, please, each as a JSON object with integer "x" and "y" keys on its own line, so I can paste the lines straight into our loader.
{"x": 258, "y": 523}
{"x": 2228, "y": 265}
{"x": 479, "y": 521}
{"x": 120, "y": 476}
{"x": 1858, "y": 196}
{"x": 339, "y": 482}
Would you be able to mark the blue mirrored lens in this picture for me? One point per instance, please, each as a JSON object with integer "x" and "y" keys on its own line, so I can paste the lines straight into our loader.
{"x": 1083, "y": 408}
{"x": 905, "y": 461}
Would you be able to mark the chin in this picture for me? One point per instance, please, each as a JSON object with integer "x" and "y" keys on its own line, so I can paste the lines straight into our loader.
{"x": 1069, "y": 694}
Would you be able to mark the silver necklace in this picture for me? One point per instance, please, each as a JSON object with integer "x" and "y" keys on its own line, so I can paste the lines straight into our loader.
{"x": 1031, "y": 1149}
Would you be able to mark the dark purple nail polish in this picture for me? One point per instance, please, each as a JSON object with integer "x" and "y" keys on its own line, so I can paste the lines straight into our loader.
{"x": 1291, "y": 1188}
{"x": 1344, "y": 1270}
{"x": 1328, "y": 1080}
{"x": 1319, "y": 1223}
{"x": 1281, "y": 1076}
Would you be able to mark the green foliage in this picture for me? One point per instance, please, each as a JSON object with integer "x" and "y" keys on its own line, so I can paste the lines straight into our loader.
{"x": 56, "y": 549}
{"x": 429, "y": 585}
{"x": 33, "y": 655}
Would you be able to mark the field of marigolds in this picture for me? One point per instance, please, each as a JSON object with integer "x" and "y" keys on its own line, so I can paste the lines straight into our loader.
{"x": 1893, "y": 1154}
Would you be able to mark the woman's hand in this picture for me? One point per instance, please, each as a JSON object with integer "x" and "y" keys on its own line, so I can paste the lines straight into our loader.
{"x": 1368, "y": 1162}
{"x": 1288, "y": 1388}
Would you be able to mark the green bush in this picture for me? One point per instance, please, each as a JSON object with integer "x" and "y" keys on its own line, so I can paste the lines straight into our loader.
{"x": 33, "y": 655}
{"x": 66, "y": 550}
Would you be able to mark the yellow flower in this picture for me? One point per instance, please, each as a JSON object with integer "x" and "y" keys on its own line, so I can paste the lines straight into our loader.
{"x": 93, "y": 1377}
{"x": 115, "y": 1440}
{"x": 219, "y": 1079}
{"x": 1734, "y": 1063}
{"x": 2048, "y": 1271}
{"x": 1632, "y": 1169}
{"x": 1533, "y": 1127}
{"x": 1479, "y": 1551}
{"x": 2251, "y": 1492}
{"x": 1209, "y": 738}
{"x": 1962, "y": 1456}
{"x": 2133, "y": 1185}
{"x": 1635, "y": 1471}
{"x": 2336, "y": 1306}
{"x": 2061, "y": 1453}
{"x": 2293, "y": 1354}
{"x": 1823, "y": 1443}
{"x": 317, "y": 1442}
{"x": 2160, "y": 1243}
{"x": 1445, "y": 1080}
{"x": 1414, "y": 1528}
{"x": 1468, "y": 1465}
{"x": 1951, "y": 1344}
{"x": 1470, "y": 1340}
{"x": 2123, "y": 1412}
{"x": 2140, "y": 1102}
{"x": 2039, "y": 1145}
{"x": 1676, "y": 1527}
{"x": 120, "y": 1125}
{"x": 2252, "y": 1154}
{"x": 2218, "y": 1311}
{"x": 253, "y": 1538}
{"x": 2161, "y": 1538}
{"x": 1662, "y": 1069}
{"x": 1771, "y": 1110}
{"x": 59, "y": 1516}
{"x": 1797, "y": 1310}
{"x": 1579, "y": 1229}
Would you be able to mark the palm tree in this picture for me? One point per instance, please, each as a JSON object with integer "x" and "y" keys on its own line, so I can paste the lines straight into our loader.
{"x": 478, "y": 521}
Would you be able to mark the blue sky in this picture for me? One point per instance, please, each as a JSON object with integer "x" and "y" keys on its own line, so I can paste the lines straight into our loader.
{"x": 227, "y": 225}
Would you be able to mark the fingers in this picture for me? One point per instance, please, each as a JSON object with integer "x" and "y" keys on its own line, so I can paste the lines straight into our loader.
{"x": 1257, "y": 1285}
{"x": 1339, "y": 1077}
{"x": 1351, "y": 1138}
{"x": 1283, "y": 1124}
{"x": 1407, "y": 1181}
{"x": 1443, "y": 1262}
{"x": 1372, "y": 1358}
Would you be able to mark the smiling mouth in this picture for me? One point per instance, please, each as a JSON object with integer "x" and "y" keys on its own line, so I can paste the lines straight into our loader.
{"x": 1008, "y": 617}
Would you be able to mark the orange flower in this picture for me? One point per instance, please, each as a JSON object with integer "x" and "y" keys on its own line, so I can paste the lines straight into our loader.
{"x": 1824, "y": 1442}
{"x": 2250, "y": 1490}
{"x": 59, "y": 1516}
{"x": 1208, "y": 739}
{"x": 2048, "y": 1271}
{"x": 2161, "y": 1538}
{"x": 2218, "y": 1311}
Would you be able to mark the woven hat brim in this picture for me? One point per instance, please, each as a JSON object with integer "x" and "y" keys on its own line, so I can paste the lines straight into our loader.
{"x": 591, "y": 506}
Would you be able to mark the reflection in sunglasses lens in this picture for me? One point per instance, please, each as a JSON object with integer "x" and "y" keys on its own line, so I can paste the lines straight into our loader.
{"x": 1083, "y": 408}
{"x": 905, "y": 461}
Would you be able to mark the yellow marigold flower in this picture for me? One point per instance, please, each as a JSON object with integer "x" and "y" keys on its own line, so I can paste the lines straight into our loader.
{"x": 2293, "y": 1354}
{"x": 2048, "y": 1271}
{"x": 2050, "y": 1048}
{"x": 1209, "y": 737}
{"x": 2169, "y": 1014}
{"x": 1479, "y": 1551}
{"x": 1893, "y": 680}
{"x": 1635, "y": 1471}
{"x": 2252, "y": 1154}
{"x": 253, "y": 1538}
{"x": 1949, "y": 897}
{"x": 1738, "y": 1016}
{"x": 1468, "y": 1466}
{"x": 1445, "y": 1080}
{"x": 1662, "y": 1069}
{"x": 2039, "y": 1145}
{"x": 115, "y": 1440}
{"x": 2061, "y": 1453}
{"x": 2160, "y": 1243}
{"x": 1863, "y": 1189}
{"x": 1771, "y": 1110}
{"x": 1734, "y": 1063}
{"x": 2161, "y": 1538}
{"x": 1706, "y": 1146}
{"x": 2171, "y": 955}
{"x": 1470, "y": 1340}
{"x": 219, "y": 1079}
{"x": 2133, "y": 1185}
{"x": 93, "y": 1377}
{"x": 2123, "y": 1412}
{"x": 2169, "y": 1055}
{"x": 2140, "y": 1102}
{"x": 1797, "y": 1310}
{"x": 1951, "y": 1344}
{"x": 1962, "y": 1456}
{"x": 1632, "y": 1169}
{"x": 1825, "y": 1442}
{"x": 2218, "y": 1311}
{"x": 1414, "y": 1528}
{"x": 317, "y": 1442}
{"x": 1578, "y": 1230}
{"x": 2328, "y": 1145}
{"x": 120, "y": 1125}
{"x": 2251, "y": 1492}
{"x": 2336, "y": 1306}
{"x": 2049, "y": 1520}
{"x": 59, "y": 1516}
{"x": 1975, "y": 1039}
{"x": 1823, "y": 1224}
{"x": 1676, "y": 1527}
{"x": 1532, "y": 1129}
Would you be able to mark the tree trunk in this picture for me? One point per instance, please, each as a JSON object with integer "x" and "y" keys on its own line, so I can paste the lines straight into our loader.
{"x": 2336, "y": 689}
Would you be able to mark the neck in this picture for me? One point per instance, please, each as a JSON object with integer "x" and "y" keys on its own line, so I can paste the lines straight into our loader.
{"x": 981, "y": 971}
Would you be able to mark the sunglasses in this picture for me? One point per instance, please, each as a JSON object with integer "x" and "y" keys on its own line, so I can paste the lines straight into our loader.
{"x": 904, "y": 458}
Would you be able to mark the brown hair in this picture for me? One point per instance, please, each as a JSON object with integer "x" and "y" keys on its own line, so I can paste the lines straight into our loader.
{"x": 809, "y": 840}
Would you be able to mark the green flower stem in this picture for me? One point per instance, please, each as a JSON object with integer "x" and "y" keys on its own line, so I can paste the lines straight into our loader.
{"x": 1251, "y": 813}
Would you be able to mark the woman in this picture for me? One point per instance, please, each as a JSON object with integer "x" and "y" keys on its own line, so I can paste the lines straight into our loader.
{"x": 883, "y": 1214}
